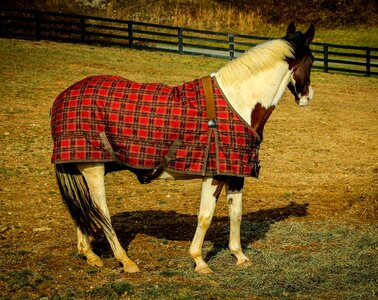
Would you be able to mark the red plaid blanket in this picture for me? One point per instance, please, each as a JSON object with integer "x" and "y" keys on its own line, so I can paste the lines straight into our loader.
{"x": 142, "y": 120}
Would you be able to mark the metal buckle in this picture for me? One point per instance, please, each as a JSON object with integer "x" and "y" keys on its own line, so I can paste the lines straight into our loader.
{"x": 212, "y": 123}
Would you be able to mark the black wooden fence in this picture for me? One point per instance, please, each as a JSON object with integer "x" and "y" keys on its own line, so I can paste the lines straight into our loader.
{"x": 41, "y": 25}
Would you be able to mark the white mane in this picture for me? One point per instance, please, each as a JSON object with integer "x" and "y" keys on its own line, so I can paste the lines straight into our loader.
{"x": 262, "y": 57}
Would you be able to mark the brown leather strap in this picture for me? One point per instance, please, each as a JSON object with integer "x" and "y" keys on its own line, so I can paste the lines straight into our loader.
{"x": 144, "y": 177}
{"x": 209, "y": 96}
{"x": 148, "y": 177}
{"x": 109, "y": 148}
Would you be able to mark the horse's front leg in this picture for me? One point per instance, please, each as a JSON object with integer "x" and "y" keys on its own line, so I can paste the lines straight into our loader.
{"x": 234, "y": 193}
{"x": 209, "y": 194}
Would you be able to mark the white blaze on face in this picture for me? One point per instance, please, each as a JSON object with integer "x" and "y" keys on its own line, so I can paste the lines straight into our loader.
{"x": 305, "y": 100}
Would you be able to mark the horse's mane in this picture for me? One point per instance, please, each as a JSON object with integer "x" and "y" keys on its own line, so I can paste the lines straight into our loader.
{"x": 256, "y": 59}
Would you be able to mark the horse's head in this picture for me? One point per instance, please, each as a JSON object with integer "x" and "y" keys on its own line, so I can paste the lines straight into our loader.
{"x": 300, "y": 65}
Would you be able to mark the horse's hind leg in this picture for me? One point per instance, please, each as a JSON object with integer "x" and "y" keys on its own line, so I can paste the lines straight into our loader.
{"x": 84, "y": 248}
{"x": 94, "y": 175}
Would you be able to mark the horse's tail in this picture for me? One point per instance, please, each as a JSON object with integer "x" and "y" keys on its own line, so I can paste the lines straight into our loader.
{"x": 78, "y": 200}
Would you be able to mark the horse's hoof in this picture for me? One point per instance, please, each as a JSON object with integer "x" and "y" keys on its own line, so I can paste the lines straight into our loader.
{"x": 130, "y": 267}
{"x": 245, "y": 262}
{"x": 95, "y": 261}
{"x": 203, "y": 269}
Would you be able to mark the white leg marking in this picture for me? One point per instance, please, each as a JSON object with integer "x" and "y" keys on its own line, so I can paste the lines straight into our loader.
{"x": 234, "y": 199}
{"x": 205, "y": 216}
{"x": 94, "y": 174}
{"x": 84, "y": 248}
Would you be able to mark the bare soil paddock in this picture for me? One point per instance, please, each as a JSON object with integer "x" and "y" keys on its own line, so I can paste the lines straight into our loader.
{"x": 319, "y": 175}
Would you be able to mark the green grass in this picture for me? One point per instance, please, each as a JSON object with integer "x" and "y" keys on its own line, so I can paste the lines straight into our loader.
{"x": 112, "y": 290}
{"x": 310, "y": 260}
{"x": 24, "y": 279}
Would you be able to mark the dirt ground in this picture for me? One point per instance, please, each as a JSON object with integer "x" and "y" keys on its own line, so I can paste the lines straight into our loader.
{"x": 319, "y": 163}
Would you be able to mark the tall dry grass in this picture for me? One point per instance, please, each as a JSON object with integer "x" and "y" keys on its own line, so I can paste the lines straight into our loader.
{"x": 200, "y": 14}
{"x": 216, "y": 17}
{"x": 212, "y": 15}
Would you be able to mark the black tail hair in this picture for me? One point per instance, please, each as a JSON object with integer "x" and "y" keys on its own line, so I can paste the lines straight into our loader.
{"x": 77, "y": 198}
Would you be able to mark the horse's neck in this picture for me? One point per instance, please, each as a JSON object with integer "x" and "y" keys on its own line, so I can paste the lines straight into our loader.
{"x": 265, "y": 88}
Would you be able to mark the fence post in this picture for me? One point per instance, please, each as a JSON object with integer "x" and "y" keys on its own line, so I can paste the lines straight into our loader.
{"x": 130, "y": 33}
{"x": 180, "y": 40}
{"x": 231, "y": 46}
{"x": 82, "y": 29}
{"x": 37, "y": 21}
{"x": 368, "y": 62}
{"x": 325, "y": 49}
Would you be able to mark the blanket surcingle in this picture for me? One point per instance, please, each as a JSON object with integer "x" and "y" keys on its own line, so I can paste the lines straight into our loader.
{"x": 141, "y": 122}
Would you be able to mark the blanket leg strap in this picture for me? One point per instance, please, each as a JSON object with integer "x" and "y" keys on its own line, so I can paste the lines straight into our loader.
{"x": 148, "y": 177}
{"x": 109, "y": 148}
{"x": 144, "y": 177}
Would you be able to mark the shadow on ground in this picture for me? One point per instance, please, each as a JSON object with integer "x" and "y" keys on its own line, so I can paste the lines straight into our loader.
{"x": 173, "y": 226}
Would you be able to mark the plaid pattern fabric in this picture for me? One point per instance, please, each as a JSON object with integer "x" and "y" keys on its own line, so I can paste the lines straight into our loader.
{"x": 142, "y": 120}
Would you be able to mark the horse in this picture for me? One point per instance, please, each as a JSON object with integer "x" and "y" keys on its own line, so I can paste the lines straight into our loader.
{"x": 100, "y": 125}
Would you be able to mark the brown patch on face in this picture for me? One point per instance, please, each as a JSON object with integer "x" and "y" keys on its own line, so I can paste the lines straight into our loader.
{"x": 259, "y": 117}
{"x": 301, "y": 68}
{"x": 305, "y": 90}
{"x": 294, "y": 92}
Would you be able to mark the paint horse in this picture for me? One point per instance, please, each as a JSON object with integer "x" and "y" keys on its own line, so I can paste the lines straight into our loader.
{"x": 209, "y": 128}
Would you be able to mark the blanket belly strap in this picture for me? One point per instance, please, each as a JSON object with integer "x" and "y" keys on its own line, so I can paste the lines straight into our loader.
{"x": 149, "y": 176}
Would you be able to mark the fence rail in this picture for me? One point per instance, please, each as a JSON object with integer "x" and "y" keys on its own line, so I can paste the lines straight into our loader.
{"x": 42, "y": 25}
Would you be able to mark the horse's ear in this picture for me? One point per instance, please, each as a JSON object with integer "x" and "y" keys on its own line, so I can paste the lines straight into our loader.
{"x": 309, "y": 35}
{"x": 290, "y": 28}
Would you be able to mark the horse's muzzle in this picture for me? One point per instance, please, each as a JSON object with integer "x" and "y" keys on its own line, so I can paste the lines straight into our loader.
{"x": 306, "y": 99}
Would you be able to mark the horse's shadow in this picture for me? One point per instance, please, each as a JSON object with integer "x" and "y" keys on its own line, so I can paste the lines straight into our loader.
{"x": 173, "y": 226}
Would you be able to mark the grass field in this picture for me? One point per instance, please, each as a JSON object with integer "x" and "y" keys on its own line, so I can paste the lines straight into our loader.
{"x": 309, "y": 223}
